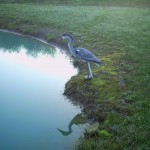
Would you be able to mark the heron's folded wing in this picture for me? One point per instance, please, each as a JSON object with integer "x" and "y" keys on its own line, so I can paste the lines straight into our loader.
{"x": 86, "y": 55}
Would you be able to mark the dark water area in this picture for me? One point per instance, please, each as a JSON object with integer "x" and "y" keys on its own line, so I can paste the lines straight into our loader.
{"x": 33, "y": 111}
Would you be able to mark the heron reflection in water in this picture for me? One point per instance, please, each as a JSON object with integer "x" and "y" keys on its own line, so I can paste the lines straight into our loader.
{"x": 78, "y": 119}
{"x": 82, "y": 54}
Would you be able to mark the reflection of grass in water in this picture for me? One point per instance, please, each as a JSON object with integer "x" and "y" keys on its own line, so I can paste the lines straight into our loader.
{"x": 120, "y": 37}
{"x": 14, "y": 43}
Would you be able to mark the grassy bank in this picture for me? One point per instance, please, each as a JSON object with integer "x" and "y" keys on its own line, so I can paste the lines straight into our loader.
{"x": 118, "y": 96}
{"x": 134, "y": 3}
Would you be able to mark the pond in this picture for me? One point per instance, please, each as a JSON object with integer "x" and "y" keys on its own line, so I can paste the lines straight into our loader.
{"x": 34, "y": 114}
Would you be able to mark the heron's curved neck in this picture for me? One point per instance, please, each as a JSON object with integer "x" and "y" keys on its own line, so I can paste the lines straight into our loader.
{"x": 71, "y": 47}
{"x": 70, "y": 44}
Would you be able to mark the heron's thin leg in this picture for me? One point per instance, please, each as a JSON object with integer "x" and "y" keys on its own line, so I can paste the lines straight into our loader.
{"x": 89, "y": 76}
{"x": 90, "y": 71}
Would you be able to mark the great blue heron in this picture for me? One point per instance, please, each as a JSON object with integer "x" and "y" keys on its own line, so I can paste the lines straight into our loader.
{"x": 82, "y": 54}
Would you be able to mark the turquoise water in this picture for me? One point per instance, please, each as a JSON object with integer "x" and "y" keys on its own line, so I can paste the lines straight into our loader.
{"x": 32, "y": 107}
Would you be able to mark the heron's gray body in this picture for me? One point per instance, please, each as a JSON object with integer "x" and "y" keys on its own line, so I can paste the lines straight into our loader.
{"x": 82, "y": 54}
{"x": 86, "y": 55}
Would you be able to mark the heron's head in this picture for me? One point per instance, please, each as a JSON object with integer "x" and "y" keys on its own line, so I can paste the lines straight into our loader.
{"x": 66, "y": 36}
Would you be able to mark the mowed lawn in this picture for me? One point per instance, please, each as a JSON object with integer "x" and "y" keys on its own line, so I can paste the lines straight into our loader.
{"x": 120, "y": 36}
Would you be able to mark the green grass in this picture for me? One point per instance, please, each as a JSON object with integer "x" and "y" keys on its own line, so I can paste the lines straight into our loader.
{"x": 120, "y": 36}
{"x": 134, "y": 3}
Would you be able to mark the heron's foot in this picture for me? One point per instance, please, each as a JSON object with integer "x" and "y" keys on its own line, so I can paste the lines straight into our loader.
{"x": 88, "y": 77}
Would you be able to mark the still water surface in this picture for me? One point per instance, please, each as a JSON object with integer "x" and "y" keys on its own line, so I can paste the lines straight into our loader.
{"x": 32, "y": 107}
